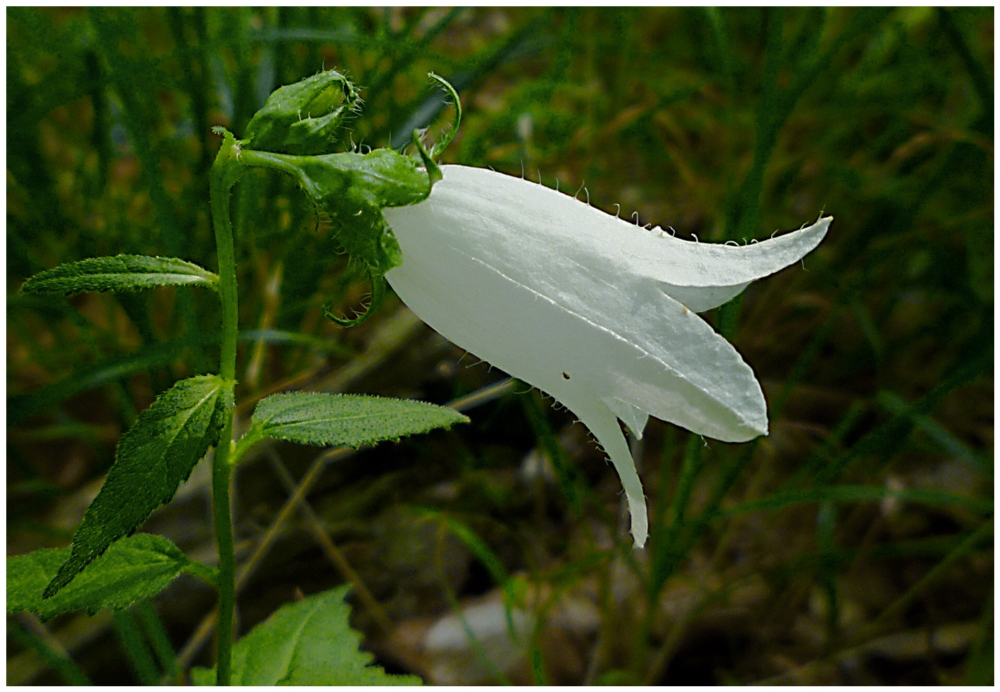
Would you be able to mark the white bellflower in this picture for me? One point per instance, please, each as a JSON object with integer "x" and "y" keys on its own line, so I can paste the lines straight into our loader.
{"x": 591, "y": 309}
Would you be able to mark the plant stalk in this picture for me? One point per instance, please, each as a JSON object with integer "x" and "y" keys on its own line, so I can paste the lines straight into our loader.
{"x": 225, "y": 173}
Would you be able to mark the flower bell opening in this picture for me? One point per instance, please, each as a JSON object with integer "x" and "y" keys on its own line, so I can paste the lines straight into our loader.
{"x": 594, "y": 311}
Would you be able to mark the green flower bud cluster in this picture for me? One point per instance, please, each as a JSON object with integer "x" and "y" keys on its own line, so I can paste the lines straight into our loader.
{"x": 294, "y": 132}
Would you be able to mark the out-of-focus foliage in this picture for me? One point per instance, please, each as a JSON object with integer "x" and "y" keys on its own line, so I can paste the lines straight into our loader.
{"x": 852, "y": 545}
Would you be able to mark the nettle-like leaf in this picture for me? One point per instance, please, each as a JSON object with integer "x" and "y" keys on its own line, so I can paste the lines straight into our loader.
{"x": 305, "y": 643}
{"x": 346, "y": 419}
{"x": 304, "y": 118}
{"x": 132, "y": 569}
{"x": 153, "y": 458}
{"x": 121, "y": 273}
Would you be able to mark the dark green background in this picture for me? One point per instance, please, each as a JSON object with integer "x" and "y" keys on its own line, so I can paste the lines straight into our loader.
{"x": 875, "y": 356}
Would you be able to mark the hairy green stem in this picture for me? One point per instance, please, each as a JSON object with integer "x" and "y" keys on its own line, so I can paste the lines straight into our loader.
{"x": 265, "y": 159}
{"x": 225, "y": 173}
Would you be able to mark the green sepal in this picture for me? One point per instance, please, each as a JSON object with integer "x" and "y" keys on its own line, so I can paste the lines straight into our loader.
{"x": 309, "y": 642}
{"x": 378, "y": 294}
{"x": 434, "y": 173}
{"x": 304, "y": 118}
{"x": 153, "y": 458}
{"x": 120, "y": 274}
{"x": 450, "y": 135}
{"x": 134, "y": 568}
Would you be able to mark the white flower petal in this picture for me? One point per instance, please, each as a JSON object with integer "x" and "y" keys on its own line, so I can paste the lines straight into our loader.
{"x": 600, "y": 420}
{"x": 632, "y": 416}
{"x": 705, "y": 275}
{"x": 558, "y": 228}
{"x": 551, "y": 291}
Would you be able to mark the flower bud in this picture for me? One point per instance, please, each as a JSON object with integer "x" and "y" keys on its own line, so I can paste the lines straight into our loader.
{"x": 303, "y": 118}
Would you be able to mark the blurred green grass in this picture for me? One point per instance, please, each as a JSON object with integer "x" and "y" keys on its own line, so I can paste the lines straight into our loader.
{"x": 865, "y": 515}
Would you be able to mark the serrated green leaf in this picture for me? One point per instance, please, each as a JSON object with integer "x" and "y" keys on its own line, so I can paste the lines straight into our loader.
{"x": 120, "y": 273}
{"x": 347, "y": 419}
{"x": 153, "y": 458}
{"x": 132, "y": 569}
{"x": 305, "y": 643}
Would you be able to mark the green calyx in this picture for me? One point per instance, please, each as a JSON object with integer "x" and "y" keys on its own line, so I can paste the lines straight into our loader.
{"x": 350, "y": 191}
{"x": 291, "y": 133}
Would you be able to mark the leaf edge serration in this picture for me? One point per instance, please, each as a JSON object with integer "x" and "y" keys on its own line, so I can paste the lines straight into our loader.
{"x": 88, "y": 542}
{"x": 58, "y": 280}
{"x": 268, "y": 429}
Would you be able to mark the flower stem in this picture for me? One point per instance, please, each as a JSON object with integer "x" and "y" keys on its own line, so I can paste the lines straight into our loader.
{"x": 225, "y": 173}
